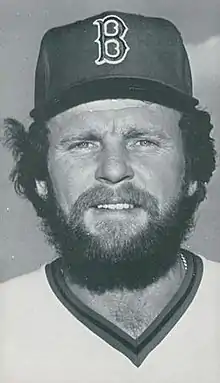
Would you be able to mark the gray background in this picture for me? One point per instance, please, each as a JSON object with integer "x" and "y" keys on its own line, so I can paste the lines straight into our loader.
{"x": 22, "y": 24}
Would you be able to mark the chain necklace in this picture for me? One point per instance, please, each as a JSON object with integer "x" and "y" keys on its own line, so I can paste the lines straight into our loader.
{"x": 184, "y": 261}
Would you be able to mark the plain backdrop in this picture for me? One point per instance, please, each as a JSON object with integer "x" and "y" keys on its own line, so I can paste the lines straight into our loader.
{"x": 22, "y": 24}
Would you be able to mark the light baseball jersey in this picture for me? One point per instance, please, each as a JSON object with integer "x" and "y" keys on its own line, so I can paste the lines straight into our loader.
{"x": 48, "y": 336}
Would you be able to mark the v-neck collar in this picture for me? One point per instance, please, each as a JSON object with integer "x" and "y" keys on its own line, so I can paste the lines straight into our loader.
{"x": 135, "y": 349}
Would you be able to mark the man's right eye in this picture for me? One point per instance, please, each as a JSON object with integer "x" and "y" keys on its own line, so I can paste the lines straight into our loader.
{"x": 81, "y": 145}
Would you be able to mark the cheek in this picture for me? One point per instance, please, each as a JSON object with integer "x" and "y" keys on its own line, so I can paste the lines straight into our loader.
{"x": 70, "y": 178}
{"x": 162, "y": 175}
{"x": 171, "y": 175}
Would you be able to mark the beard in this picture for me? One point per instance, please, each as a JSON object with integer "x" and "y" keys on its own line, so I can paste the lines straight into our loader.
{"x": 113, "y": 259}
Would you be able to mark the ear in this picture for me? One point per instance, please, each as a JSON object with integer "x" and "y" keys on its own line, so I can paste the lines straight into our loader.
{"x": 41, "y": 188}
{"x": 192, "y": 187}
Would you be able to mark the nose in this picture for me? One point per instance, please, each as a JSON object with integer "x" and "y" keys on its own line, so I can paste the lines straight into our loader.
{"x": 114, "y": 166}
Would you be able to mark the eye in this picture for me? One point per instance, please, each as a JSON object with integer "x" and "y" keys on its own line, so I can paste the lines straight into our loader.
{"x": 145, "y": 142}
{"x": 81, "y": 145}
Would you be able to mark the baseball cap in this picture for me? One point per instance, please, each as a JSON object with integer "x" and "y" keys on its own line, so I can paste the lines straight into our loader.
{"x": 113, "y": 55}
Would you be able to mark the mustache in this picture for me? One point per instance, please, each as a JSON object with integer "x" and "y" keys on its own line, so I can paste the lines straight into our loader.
{"x": 126, "y": 193}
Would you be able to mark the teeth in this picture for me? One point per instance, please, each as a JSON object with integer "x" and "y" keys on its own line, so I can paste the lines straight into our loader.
{"x": 118, "y": 206}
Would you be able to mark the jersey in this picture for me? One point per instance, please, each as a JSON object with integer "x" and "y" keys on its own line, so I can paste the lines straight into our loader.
{"x": 47, "y": 337}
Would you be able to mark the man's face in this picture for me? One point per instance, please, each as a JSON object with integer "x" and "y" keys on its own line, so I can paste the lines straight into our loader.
{"x": 111, "y": 145}
{"x": 117, "y": 191}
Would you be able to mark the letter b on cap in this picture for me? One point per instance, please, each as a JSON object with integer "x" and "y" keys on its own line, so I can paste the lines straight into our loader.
{"x": 112, "y": 46}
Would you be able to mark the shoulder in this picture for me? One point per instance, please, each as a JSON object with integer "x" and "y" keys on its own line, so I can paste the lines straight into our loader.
{"x": 209, "y": 275}
{"x": 22, "y": 281}
{"x": 23, "y": 290}
{"x": 25, "y": 298}
{"x": 210, "y": 268}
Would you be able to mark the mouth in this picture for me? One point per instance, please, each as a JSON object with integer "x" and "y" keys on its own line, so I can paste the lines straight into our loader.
{"x": 115, "y": 207}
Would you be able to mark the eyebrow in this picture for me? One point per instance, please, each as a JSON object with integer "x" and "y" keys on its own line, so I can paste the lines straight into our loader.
{"x": 80, "y": 136}
{"x": 131, "y": 133}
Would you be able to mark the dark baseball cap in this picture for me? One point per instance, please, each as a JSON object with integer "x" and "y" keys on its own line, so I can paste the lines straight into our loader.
{"x": 113, "y": 55}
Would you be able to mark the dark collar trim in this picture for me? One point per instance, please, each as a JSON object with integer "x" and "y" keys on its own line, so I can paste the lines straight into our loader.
{"x": 135, "y": 350}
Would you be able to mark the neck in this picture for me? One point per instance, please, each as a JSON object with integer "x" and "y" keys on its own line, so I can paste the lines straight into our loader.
{"x": 132, "y": 310}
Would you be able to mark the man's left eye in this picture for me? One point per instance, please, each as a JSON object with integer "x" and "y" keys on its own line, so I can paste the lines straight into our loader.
{"x": 146, "y": 142}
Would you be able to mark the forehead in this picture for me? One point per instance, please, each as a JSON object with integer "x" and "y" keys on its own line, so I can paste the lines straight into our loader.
{"x": 118, "y": 114}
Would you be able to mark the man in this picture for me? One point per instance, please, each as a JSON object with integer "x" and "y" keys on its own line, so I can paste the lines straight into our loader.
{"x": 115, "y": 163}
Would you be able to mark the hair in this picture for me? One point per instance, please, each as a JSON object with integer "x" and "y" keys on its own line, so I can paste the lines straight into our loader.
{"x": 29, "y": 149}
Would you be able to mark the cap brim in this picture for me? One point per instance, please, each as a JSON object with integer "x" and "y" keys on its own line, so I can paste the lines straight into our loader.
{"x": 115, "y": 88}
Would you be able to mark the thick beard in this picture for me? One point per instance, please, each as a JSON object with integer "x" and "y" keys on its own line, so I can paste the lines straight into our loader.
{"x": 131, "y": 264}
